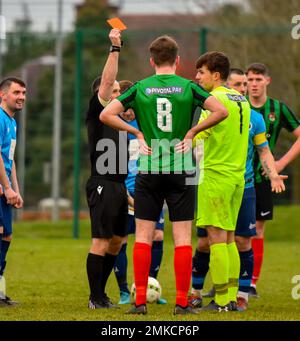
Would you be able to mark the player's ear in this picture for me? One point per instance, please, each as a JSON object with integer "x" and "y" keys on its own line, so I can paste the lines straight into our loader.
{"x": 216, "y": 76}
{"x": 2, "y": 94}
{"x": 269, "y": 79}
{"x": 152, "y": 62}
{"x": 177, "y": 61}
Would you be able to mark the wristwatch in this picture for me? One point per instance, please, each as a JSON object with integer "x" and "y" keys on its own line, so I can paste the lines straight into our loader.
{"x": 114, "y": 48}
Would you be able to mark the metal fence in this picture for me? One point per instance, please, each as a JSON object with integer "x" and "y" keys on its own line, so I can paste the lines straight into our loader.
{"x": 85, "y": 52}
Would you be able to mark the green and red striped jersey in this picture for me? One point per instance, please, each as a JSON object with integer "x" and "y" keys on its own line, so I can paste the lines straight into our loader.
{"x": 277, "y": 115}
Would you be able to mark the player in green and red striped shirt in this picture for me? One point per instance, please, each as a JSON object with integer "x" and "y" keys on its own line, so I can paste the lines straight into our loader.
{"x": 277, "y": 115}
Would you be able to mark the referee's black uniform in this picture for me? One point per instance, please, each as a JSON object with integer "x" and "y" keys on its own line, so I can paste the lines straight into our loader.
{"x": 106, "y": 195}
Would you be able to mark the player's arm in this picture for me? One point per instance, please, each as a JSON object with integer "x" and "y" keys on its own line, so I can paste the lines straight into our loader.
{"x": 268, "y": 164}
{"x": 110, "y": 70}
{"x": 217, "y": 114}
{"x": 200, "y": 137}
{"x": 3, "y": 178}
{"x": 291, "y": 154}
{"x": 109, "y": 116}
{"x": 10, "y": 194}
{"x": 15, "y": 186}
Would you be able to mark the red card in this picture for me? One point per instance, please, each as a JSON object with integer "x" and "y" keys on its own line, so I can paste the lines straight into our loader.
{"x": 117, "y": 23}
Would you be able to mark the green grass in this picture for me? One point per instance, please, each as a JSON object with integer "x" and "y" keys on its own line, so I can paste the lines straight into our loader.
{"x": 46, "y": 273}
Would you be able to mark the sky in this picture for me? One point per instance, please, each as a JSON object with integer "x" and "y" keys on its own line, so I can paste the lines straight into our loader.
{"x": 44, "y": 12}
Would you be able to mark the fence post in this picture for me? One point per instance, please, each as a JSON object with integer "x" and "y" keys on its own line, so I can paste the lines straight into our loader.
{"x": 203, "y": 39}
{"x": 77, "y": 111}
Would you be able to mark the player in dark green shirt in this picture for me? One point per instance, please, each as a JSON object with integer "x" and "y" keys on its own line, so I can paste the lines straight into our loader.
{"x": 164, "y": 105}
{"x": 277, "y": 116}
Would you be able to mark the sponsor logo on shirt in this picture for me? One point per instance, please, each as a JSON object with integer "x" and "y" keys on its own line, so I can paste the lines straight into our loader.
{"x": 164, "y": 90}
{"x": 236, "y": 98}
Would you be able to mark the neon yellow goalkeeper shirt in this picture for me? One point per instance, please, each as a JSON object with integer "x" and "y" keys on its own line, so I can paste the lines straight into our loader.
{"x": 225, "y": 144}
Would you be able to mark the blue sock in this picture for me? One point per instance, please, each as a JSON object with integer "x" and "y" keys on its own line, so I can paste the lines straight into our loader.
{"x": 200, "y": 269}
{"x": 120, "y": 269}
{"x": 247, "y": 263}
{"x": 4, "y": 248}
{"x": 156, "y": 254}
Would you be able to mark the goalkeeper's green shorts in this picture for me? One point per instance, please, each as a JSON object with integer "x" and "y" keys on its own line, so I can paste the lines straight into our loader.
{"x": 219, "y": 202}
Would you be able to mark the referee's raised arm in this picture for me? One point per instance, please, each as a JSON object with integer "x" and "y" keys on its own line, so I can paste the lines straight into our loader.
{"x": 110, "y": 69}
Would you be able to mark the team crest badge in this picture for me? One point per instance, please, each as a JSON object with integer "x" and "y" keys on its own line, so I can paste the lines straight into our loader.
{"x": 272, "y": 117}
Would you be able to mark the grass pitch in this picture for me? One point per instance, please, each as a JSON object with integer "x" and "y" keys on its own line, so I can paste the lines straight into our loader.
{"x": 46, "y": 274}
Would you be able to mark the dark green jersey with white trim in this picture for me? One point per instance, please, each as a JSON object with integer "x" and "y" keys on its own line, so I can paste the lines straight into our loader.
{"x": 164, "y": 106}
{"x": 277, "y": 115}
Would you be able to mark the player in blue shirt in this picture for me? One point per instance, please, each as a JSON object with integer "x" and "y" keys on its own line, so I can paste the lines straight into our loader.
{"x": 245, "y": 228}
{"x": 12, "y": 93}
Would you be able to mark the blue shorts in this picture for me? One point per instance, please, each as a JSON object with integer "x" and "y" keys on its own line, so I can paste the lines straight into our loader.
{"x": 245, "y": 226}
{"x": 160, "y": 224}
{"x": 5, "y": 216}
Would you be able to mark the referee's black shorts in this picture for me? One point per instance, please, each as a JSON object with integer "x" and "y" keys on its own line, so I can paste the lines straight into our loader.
{"x": 107, "y": 201}
{"x": 152, "y": 189}
{"x": 264, "y": 200}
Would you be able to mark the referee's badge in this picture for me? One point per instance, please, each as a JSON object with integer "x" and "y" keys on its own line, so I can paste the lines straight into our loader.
{"x": 272, "y": 117}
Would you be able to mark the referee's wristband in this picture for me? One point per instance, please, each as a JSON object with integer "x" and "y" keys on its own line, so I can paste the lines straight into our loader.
{"x": 115, "y": 48}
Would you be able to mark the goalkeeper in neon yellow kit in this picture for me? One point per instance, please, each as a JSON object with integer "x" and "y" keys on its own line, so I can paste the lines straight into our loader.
{"x": 221, "y": 183}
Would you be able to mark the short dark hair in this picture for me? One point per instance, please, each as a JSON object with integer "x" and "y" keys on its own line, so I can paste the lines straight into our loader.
{"x": 258, "y": 69}
{"x": 236, "y": 71}
{"x": 96, "y": 84}
{"x": 124, "y": 85}
{"x": 215, "y": 62}
{"x": 7, "y": 82}
{"x": 164, "y": 50}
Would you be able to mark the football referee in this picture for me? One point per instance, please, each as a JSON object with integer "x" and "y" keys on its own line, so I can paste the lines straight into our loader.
{"x": 105, "y": 189}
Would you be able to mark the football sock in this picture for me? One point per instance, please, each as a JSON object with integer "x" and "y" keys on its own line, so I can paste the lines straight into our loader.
{"x": 234, "y": 271}
{"x": 156, "y": 253}
{"x": 219, "y": 270}
{"x": 4, "y": 248}
{"x": 200, "y": 269}
{"x": 183, "y": 272}
{"x": 258, "y": 253}
{"x": 141, "y": 263}
{"x": 120, "y": 269}
{"x": 109, "y": 261}
{"x": 94, "y": 268}
{"x": 246, "y": 271}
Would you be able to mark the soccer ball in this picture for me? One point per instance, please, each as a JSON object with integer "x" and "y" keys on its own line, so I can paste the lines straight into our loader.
{"x": 153, "y": 291}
